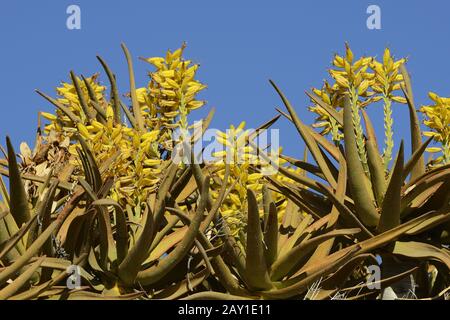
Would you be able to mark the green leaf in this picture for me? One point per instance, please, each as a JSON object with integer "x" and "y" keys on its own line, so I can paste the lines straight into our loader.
{"x": 29, "y": 253}
{"x": 271, "y": 235}
{"x": 131, "y": 265}
{"x": 18, "y": 197}
{"x": 415, "y": 158}
{"x": 365, "y": 208}
{"x": 375, "y": 162}
{"x": 134, "y": 101}
{"x": 391, "y": 208}
{"x": 74, "y": 118}
{"x": 84, "y": 106}
{"x": 20, "y": 281}
{"x": 155, "y": 273}
{"x": 344, "y": 211}
{"x": 114, "y": 91}
{"x": 302, "y": 285}
{"x": 309, "y": 140}
{"x": 416, "y": 135}
{"x": 92, "y": 167}
{"x": 121, "y": 227}
{"x": 256, "y": 272}
{"x": 226, "y": 278}
{"x": 7, "y": 246}
{"x": 422, "y": 251}
{"x": 284, "y": 265}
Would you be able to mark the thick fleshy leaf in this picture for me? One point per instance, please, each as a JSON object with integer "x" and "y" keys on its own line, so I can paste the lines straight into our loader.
{"x": 270, "y": 228}
{"x": 284, "y": 265}
{"x": 420, "y": 250}
{"x": 375, "y": 162}
{"x": 114, "y": 91}
{"x": 365, "y": 208}
{"x": 415, "y": 158}
{"x": 121, "y": 227}
{"x": 131, "y": 265}
{"x": 84, "y": 106}
{"x": 20, "y": 281}
{"x": 391, "y": 208}
{"x": 91, "y": 164}
{"x": 302, "y": 285}
{"x": 18, "y": 205}
{"x": 308, "y": 139}
{"x": 74, "y": 118}
{"x": 134, "y": 101}
{"x": 255, "y": 263}
{"x": 155, "y": 273}
{"x": 416, "y": 135}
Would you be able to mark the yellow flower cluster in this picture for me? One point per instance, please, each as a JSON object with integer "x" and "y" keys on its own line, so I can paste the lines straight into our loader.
{"x": 239, "y": 155}
{"x": 437, "y": 118}
{"x": 135, "y": 168}
{"x": 172, "y": 91}
{"x": 243, "y": 161}
{"x": 365, "y": 81}
{"x": 68, "y": 97}
{"x": 351, "y": 77}
{"x": 323, "y": 120}
{"x": 386, "y": 82}
{"x": 164, "y": 105}
{"x": 388, "y": 78}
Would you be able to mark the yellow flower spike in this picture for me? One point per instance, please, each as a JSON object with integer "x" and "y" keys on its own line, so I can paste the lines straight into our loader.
{"x": 363, "y": 87}
{"x": 341, "y": 81}
{"x": 348, "y": 53}
{"x": 338, "y": 61}
{"x": 141, "y": 94}
{"x": 148, "y": 171}
{"x": 386, "y": 56}
{"x": 433, "y": 96}
{"x": 219, "y": 154}
{"x": 437, "y": 118}
{"x": 348, "y": 68}
{"x": 398, "y": 63}
{"x": 117, "y": 139}
{"x": 97, "y": 137}
{"x": 433, "y": 149}
{"x": 177, "y": 53}
{"x": 49, "y": 116}
{"x": 169, "y": 57}
{"x": 83, "y": 131}
{"x": 156, "y": 61}
{"x": 172, "y": 83}
{"x": 399, "y": 99}
{"x": 255, "y": 176}
{"x": 167, "y": 103}
{"x": 97, "y": 125}
{"x": 152, "y": 135}
{"x": 156, "y": 77}
{"x": 169, "y": 93}
{"x": 167, "y": 74}
{"x": 193, "y": 105}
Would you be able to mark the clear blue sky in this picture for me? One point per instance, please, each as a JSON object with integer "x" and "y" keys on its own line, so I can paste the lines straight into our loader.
{"x": 239, "y": 44}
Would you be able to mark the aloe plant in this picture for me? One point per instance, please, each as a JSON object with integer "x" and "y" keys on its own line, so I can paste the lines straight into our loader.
{"x": 100, "y": 191}
{"x": 379, "y": 201}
